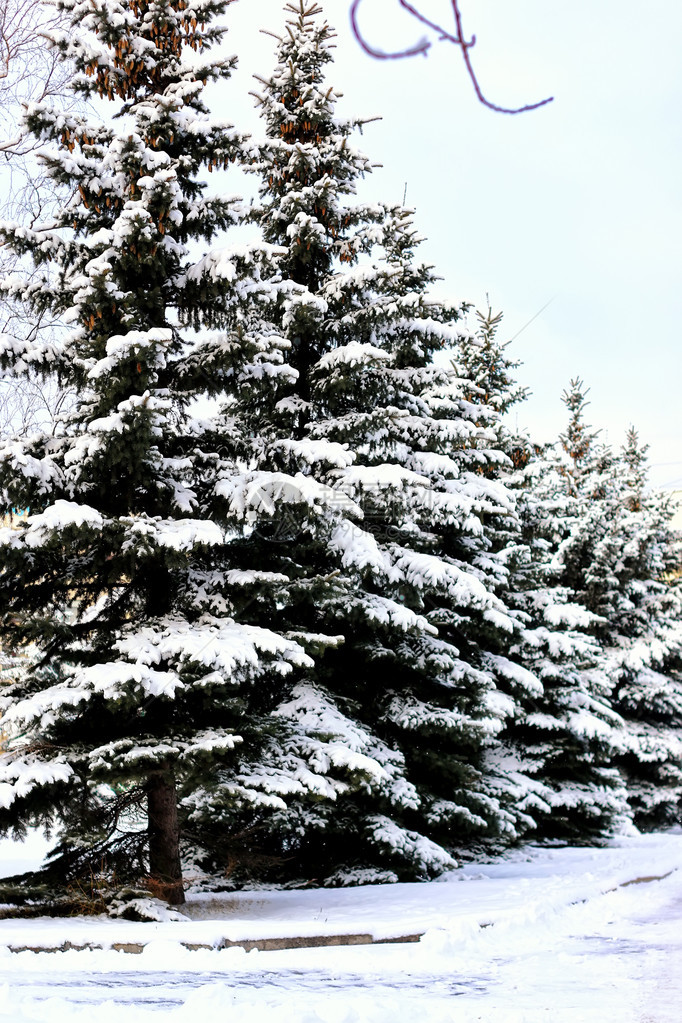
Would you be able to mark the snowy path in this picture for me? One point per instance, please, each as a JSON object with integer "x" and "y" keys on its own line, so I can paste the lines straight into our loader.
{"x": 166, "y": 990}
{"x": 604, "y": 961}
{"x": 614, "y": 958}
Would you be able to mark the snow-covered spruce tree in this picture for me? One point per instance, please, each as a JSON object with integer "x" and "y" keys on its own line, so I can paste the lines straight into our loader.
{"x": 643, "y": 658}
{"x": 619, "y": 558}
{"x": 147, "y": 572}
{"x": 560, "y": 741}
{"x": 405, "y": 575}
{"x": 573, "y": 735}
{"x": 568, "y": 734}
{"x": 121, "y": 573}
{"x": 489, "y": 371}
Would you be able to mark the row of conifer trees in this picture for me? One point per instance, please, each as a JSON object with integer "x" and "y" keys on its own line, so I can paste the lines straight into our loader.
{"x": 306, "y": 607}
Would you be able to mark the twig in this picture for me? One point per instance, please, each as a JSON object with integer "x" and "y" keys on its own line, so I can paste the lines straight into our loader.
{"x": 458, "y": 39}
{"x": 421, "y": 47}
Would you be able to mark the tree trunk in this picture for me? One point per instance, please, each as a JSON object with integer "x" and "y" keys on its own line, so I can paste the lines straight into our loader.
{"x": 164, "y": 838}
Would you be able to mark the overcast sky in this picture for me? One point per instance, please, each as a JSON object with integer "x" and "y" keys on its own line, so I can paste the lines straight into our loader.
{"x": 577, "y": 204}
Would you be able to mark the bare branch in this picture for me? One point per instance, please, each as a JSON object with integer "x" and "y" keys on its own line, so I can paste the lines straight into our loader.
{"x": 28, "y": 406}
{"x": 31, "y": 69}
{"x": 421, "y": 47}
{"x": 457, "y": 38}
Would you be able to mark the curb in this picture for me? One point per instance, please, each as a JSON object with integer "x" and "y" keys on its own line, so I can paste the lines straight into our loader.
{"x": 249, "y": 945}
{"x": 281, "y": 944}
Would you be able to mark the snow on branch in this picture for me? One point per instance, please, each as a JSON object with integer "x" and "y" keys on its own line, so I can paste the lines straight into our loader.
{"x": 457, "y": 38}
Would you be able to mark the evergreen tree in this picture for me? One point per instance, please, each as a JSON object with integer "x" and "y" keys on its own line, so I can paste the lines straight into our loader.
{"x": 122, "y": 574}
{"x": 578, "y": 439}
{"x": 562, "y": 739}
{"x": 610, "y": 559}
{"x": 644, "y": 654}
{"x": 568, "y": 734}
{"x": 403, "y": 567}
{"x": 620, "y": 558}
{"x": 484, "y": 362}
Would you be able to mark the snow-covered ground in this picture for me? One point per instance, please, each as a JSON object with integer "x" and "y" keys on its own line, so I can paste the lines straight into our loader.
{"x": 561, "y": 935}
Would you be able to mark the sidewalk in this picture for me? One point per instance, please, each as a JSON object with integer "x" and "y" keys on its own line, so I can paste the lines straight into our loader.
{"x": 520, "y": 889}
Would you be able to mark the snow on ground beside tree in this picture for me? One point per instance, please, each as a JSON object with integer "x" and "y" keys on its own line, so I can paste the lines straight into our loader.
{"x": 567, "y": 939}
